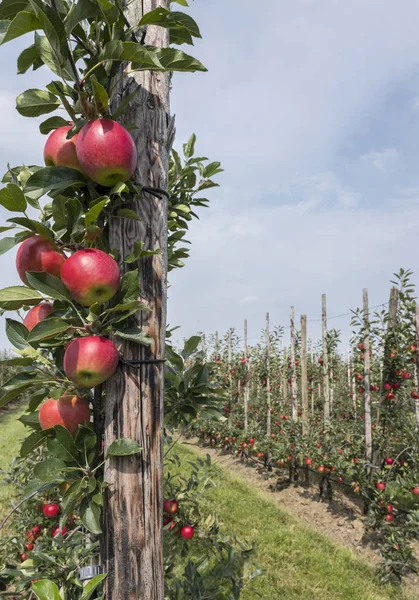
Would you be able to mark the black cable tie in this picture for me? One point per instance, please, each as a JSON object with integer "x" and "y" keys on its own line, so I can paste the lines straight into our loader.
{"x": 155, "y": 191}
{"x": 134, "y": 363}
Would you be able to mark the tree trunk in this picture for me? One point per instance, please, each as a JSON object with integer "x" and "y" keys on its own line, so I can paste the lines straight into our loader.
{"x": 131, "y": 545}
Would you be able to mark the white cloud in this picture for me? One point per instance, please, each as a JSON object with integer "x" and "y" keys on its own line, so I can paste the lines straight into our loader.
{"x": 380, "y": 158}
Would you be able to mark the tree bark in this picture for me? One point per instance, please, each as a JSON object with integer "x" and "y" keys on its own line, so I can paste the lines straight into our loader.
{"x": 131, "y": 545}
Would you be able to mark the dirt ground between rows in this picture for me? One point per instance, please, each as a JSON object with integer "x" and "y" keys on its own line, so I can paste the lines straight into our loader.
{"x": 341, "y": 518}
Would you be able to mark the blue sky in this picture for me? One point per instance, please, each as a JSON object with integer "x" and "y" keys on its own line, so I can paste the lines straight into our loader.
{"x": 312, "y": 106}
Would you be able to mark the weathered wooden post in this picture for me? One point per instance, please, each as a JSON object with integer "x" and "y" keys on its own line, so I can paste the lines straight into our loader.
{"x": 326, "y": 392}
{"x": 268, "y": 378}
{"x": 131, "y": 548}
{"x": 294, "y": 405}
{"x": 304, "y": 381}
{"x": 246, "y": 382}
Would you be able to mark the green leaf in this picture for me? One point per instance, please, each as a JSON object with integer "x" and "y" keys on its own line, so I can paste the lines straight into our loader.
{"x": 12, "y": 198}
{"x": 128, "y": 306}
{"x": 49, "y": 469}
{"x": 10, "y": 8}
{"x": 127, "y": 213}
{"x": 181, "y": 2}
{"x": 15, "y": 386}
{"x": 123, "y": 447}
{"x": 170, "y": 20}
{"x": 189, "y": 147}
{"x": 51, "y": 124}
{"x": 34, "y": 226}
{"x": 28, "y": 58}
{"x": 18, "y": 361}
{"x": 94, "y": 212}
{"x": 133, "y": 334}
{"x": 55, "y": 179}
{"x": 92, "y": 585}
{"x": 7, "y": 244}
{"x": 23, "y": 22}
{"x": 100, "y": 95}
{"x": 47, "y": 329}
{"x": 34, "y": 103}
{"x": 63, "y": 446}
{"x": 212, "y": 169}
{"x": 129, "y": 288}
{"x": 53, "y": 27}
{"x": 109, "y": 10}
{"x": 32, "y": 442}
{"x": 31, "y": 420}
{"x": 46, "y": 590}
{"x": 49, "y": 57}
{"x": 17, "y": 296}
{"x": 90, "y": 516}
{"x": 153, "y": 59}
{"x": 17, "y": 334}
{"x": 191, "y": 345}
{"x": 49, "y": 285}
{"x": 81, "y": 10}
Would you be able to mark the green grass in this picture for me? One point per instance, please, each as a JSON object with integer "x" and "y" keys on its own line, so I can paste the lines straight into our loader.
{"x": 299, "y": 563}
{"x": 11, "y": 432}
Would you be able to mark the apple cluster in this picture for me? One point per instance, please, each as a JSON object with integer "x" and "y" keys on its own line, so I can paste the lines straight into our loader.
{"x": 105, "y": 152}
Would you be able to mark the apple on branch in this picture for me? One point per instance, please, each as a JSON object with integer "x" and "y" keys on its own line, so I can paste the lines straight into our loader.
{"x": 39, "y": 255}
{"x": 91, "y": 360}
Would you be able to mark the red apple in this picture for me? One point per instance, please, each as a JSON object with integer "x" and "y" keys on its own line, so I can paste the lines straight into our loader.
{"x": 61, "y": 152}
{"x": 187, "y": 532}
{"x": 416, "y": 491}
{"x": 51, "y": 511}
{"x": 29, "y": 546}
{"x": 40, "y": 255}
{"x": 37, "y": 314}
{"x": 91, "y": 276}
{"x": 170, "y": 506}
{"x": 106, "y": 152}
{"x": 91, "y": 360}
{"x": 56, "y": 530}
{"x": 23, "y": 557}
{"x": 68, "y": 411}
{"x": 389, "y": 461}
{"x": 380, "y": 486}
{"x": 389, "y": 518}
{"x": 36, "y": 530}
{"x": 390, "y": 508}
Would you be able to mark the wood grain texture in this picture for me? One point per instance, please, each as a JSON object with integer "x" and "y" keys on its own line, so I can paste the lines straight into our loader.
{"x": 131, "y": 548}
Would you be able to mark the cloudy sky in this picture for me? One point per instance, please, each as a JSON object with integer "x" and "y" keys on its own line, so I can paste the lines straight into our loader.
{"x": 312, "y": 107}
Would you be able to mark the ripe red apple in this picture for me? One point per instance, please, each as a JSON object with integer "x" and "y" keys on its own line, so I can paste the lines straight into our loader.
{"x": 389, "y": 518}
{"x": 61, "y": 152}
{"x": 416, "y": 491}
{"x": 106, "y": 152}
{"x": 187, "y": 532}
{"x": 380, "y": 486}
{"x": 37, "y": 314}
{"x": 23, "y": 557}
{"x": 51, "y": 511}
{"x": 390, "y": 396}
{"x": 29, "y": 546}
{"x": 56, "y": 530}
{"x": 68, "y": 411}
{"x": 389, "y": 461}
{"x": 251, "y": 441}
{"x": 91, "y": 360}
{"x": 387, "y": 387}
{"x": 36, "y": 530}
{"x": 40, "y": 255}
{"x": 390, "y": 508}
{"x": 91, "y": 276}
{"x": 171, "y": 507}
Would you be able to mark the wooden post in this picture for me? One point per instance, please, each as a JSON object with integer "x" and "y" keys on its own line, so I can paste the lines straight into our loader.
{"x": 246, "y": 383}
{"x": 268, "y": 378}
{"x": 294, "y": 406}
{"x": 217, "y": 346}
{"x": 131, "y": 544}
{"x": 326, "y": 393}
{"x": 304, "y": 381}
{"x": 332, "y": 390}
{"x": 204, "y": 346}
{"x": 417, "y": 366}
{"x": 367, "y": 383}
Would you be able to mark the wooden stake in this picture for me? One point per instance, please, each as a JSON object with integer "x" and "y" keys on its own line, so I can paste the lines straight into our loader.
{"x": 131, "y": 544}
{"x": 326, "y": 393}
{"x": 294, "y": 405}
{"x": 230, "y": 379}
{"x": 304, "y": 380}
{"x": 417, "y": 366}
{"x": 367, "y": 382}
{"x": 268, "y": 378}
